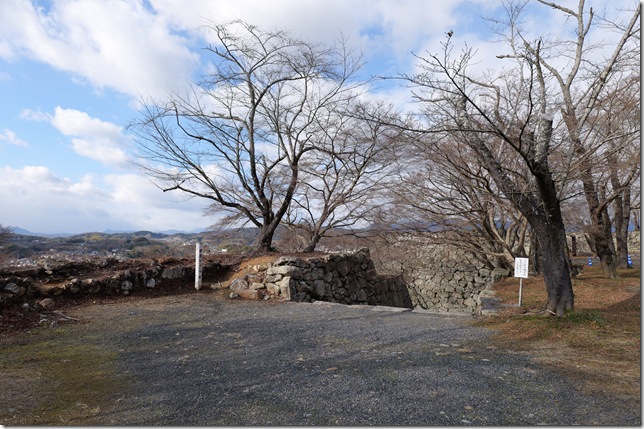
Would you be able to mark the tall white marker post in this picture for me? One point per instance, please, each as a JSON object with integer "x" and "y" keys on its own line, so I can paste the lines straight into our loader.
{"x": 198, "y": 266}
{"x": 521, "y": 271}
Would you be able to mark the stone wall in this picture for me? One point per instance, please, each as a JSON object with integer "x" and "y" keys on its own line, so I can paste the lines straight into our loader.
{"x": 441, "y": 278}
{"x": 421, "y": 276}
{"x": 342, "y": 278}
{"x": 104, "y": 277}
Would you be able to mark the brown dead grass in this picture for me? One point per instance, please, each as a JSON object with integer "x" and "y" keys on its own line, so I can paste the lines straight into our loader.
{"x": 597, "y": 345}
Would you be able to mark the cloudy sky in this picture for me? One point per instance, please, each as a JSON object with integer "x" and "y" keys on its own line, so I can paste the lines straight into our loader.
{"x": 71, "y": 72}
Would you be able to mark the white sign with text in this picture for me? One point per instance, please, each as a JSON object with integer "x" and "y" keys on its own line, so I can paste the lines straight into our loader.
{"x": 521, "y": 268}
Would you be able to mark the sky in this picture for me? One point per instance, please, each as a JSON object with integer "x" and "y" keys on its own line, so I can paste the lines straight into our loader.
{"x": 72, "y": 73}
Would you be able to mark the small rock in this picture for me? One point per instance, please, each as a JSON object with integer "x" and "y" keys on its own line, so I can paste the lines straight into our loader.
{"x": 12, "y": 288}
{"x": 247, "y": 294}
{"x": 238, "y": 285}
{"x": 46, "y": 303}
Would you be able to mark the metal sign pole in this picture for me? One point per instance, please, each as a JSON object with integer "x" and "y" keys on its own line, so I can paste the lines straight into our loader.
{"x": 521, "y": 271}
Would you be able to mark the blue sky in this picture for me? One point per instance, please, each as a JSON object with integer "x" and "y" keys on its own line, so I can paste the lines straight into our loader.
{"x": 71, "y": 72}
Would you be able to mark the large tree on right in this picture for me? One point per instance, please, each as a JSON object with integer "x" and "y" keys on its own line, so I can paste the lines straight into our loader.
{"x": 525, "y": 122}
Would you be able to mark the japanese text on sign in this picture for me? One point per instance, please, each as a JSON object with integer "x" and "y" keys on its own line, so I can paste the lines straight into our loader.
{"x": 521, "y": 267}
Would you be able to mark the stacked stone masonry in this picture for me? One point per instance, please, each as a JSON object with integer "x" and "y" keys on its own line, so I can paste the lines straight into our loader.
{"x": 442, "y": 278}
{"x": 94, "y": 278}
{"x": 435, "y": 281}
{"x": 341, "y": 278}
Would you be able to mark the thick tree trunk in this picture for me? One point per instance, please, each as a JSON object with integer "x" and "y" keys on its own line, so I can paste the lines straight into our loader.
{"x": 556, "y": 269}
{"x": 264, "y": 241}
{"x": 535, "y": 254}
{"x": 605, "y": 247}
{"x": 312, "y": 245}
{"x": 600, "y": 224}
{"x": 313, "y": 242}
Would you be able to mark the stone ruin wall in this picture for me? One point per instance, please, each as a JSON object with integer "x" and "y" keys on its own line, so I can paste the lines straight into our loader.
{"x": 348, "y": 278}
{"x": 431, "y": 279}
{"x": 441, "y": 278}
{"x": 423, "y": 276}
{"x": 104, "y": 277}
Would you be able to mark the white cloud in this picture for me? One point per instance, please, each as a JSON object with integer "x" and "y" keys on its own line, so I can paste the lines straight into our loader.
{"x": 35, "y": 115}
{"x": 110, "y": 44}
{"x": 35, "y": 198}
{"x": 394, "y": 27}
{"x": 92, "y": 138}
{"x": 10, "y": 137}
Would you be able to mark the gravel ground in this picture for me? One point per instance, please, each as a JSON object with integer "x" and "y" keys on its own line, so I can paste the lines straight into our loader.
{"x": 197, "y": 360}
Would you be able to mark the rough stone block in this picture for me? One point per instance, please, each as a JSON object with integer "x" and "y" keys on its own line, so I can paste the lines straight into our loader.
{"x": 248, "y": 294}
{"x": 12, "y": 288}
{"x": 273, "y": 278}
{"x": 173, "y": 272}
{"x": 285, "y": 270}
{"x": 253, "y": 278}
{"x": 238, "y": 284}
{"x": 319, "y": 288}
{"x": 343, "y": 267}
{"x": 257, "y": 286}
{"x": 46, "y": 303}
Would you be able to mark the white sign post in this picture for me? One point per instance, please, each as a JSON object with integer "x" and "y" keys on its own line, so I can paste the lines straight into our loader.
{"x": 521, "y": 271}
{"x": 198, "y": 266}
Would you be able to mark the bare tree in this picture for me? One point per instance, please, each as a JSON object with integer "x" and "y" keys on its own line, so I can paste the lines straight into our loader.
{"x": 501, "y": 118}
{"x": 616, "y": 127}
{"x": 580, "y": 82}
{"x": 240, "y": 136}
{"x": 514, "y": 116}
{"x": 448, "y": 191}
{"x": 341, "y": 184}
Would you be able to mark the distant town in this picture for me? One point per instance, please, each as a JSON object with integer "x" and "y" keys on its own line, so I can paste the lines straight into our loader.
{"x": 24, "y": 248}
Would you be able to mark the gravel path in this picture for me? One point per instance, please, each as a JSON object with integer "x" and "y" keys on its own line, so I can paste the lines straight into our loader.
{"x": 195, "y": 360}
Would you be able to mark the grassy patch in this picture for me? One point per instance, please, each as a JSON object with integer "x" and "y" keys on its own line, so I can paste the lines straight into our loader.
{"x": 598, "y": 344}
{"x": 66, "y": 379}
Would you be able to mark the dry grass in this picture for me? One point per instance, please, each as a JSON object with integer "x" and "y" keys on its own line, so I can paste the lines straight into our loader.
{"x": 597, "y": 345}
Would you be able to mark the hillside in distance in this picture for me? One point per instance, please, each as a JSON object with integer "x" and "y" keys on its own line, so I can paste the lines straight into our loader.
{"x": 23, "y": 244}
{"x": 28, "y": 246}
